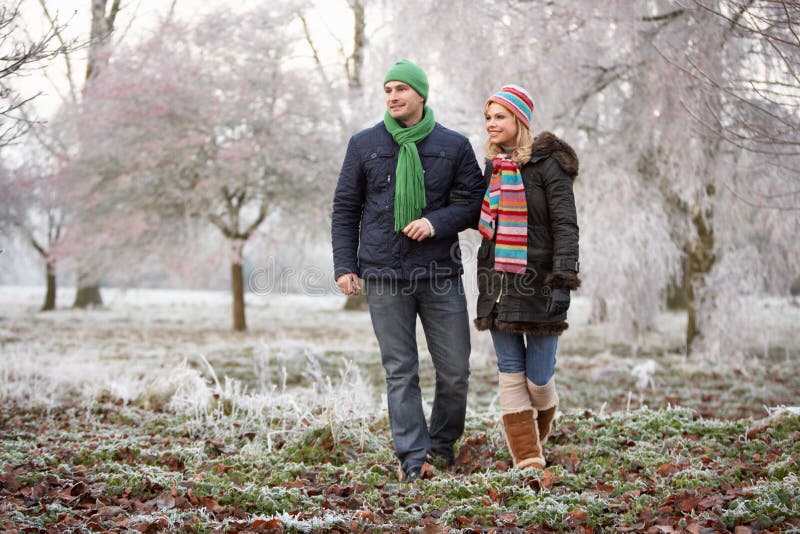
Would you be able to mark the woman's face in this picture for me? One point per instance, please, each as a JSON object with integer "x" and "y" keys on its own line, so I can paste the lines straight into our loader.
{"x": 501, "y": 125}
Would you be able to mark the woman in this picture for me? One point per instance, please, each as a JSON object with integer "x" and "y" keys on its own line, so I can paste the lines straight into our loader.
{"x": 527, "y": 265}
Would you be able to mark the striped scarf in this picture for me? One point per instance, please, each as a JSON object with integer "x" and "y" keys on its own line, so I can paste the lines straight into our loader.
{"x": 505, "y": 213}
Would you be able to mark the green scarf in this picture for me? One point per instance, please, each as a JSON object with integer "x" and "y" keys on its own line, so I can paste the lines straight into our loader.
{"x": 409, "y": 197}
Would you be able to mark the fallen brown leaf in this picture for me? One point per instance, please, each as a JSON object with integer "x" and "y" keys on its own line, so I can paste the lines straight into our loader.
{"x": 9, "y": 483}
{"x": 690, "y": 503}
{"x": 366, "y": 515}
{"x": 507, "y": 518}
{"x": 109, "y": 512}
{"x": 668, "y": 469}
{"x": 576, "y": 518}
{"x": 269, "y": 525}
{"x": 427, "y": 471}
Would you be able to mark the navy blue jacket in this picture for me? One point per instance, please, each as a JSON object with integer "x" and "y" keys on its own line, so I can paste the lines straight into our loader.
{"x": 364, "y": 240}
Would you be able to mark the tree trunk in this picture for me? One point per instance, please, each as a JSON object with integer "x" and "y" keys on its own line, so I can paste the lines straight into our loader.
{"x": 355, "y": 62}
{"x": 237, "y": 286}
{"x": 700, "y": 260}
{"x": 102, "y": 25}
{"x": 678, "y": 289}
{"x": 795, "y": 289}
{"x": 354, "y": 65}
{"x": 599, "y": 313}
{"x": 50, "y": 296}
{"x": 101, "y": 28}
{"x": 88, "y": 295}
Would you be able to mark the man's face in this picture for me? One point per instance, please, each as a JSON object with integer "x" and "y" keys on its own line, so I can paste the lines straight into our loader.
{"x": 404, "y": 103}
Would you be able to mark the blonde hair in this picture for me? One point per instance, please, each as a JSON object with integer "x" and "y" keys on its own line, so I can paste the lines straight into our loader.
{"x": 524, "y": 142}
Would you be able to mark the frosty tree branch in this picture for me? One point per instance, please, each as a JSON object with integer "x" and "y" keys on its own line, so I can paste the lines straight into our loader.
{"x": 66, "y": 55}
{"x": 16, "y": 58}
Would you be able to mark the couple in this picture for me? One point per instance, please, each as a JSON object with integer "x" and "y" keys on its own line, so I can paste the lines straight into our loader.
{"x": 407, "y": 186}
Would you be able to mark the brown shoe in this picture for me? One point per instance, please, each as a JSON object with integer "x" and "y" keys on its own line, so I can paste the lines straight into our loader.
{"x": 522, "y": 436}
{"x": 424, "y": 472}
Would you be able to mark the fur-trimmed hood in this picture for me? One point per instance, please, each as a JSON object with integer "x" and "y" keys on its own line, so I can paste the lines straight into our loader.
{"x": 547, "y": 144}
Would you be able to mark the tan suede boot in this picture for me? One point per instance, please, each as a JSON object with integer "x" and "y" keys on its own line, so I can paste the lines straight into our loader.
{"x": 545, "y": 400}
{"x": 523, "y": 439}
{"x": 519, "y": 420}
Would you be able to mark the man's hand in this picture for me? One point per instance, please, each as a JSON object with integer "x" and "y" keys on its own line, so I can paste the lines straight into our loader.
{"x": 349, "y": 284}
{"x": 418, "y": 229}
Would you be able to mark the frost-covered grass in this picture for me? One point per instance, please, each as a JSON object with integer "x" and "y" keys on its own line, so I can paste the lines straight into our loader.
{"x": 150, "y": 414}
{"x": 146, "y": 346}
{"x": 137, "y": 468}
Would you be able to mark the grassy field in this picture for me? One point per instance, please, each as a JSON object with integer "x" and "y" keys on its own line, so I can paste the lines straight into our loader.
{"x": 149, "y": 415}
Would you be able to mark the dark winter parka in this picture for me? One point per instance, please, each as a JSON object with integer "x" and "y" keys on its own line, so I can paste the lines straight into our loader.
{"x": 518, "y": 302}
{"x": 364, "y": 240}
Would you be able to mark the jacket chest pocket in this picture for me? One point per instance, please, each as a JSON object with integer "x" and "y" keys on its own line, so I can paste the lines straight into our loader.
{"x": 438, "y": 165}
{"x": 379, "y": 168}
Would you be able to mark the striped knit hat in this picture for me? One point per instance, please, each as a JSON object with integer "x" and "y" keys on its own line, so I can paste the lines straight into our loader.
{"x": 517, "y": 100}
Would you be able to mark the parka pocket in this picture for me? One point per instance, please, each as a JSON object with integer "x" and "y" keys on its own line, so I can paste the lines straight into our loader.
{"x": 378, "y": 169}
{"x": 438, "y": 164}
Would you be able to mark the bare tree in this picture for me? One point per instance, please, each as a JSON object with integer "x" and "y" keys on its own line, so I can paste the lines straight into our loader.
{"x": 652, "y": 95}
{"x": 213, "y": 128}
{"x": 759, "y": 101}
{"x": 32, "y": 209}
{"x": 739, "y": 92}
{"x": 103, "y": 18}
{"x": 18, "y": 56}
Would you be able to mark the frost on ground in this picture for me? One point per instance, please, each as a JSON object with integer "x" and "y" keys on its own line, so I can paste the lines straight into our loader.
{"x": 150, "y": 414}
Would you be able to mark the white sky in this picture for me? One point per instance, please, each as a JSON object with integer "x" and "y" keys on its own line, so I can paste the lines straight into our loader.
{"x": 329, "y": 20}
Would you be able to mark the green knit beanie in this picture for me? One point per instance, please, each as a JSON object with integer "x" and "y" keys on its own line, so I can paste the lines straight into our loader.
{"x": 407, "y": 72}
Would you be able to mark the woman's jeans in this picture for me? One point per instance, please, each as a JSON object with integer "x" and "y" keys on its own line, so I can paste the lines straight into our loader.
{"x": 535, "y": 355}
{"x": 442, "y": 309}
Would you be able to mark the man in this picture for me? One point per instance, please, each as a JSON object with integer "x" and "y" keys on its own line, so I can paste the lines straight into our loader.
{"x": 407, "y": 186}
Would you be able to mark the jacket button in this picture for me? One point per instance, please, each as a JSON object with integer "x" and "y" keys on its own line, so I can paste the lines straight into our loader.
{"x": 441, "y": 153}
{"x": 373, "y": 155}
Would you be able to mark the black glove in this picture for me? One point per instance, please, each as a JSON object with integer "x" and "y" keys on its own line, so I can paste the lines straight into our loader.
{"x": 558, "y": 302}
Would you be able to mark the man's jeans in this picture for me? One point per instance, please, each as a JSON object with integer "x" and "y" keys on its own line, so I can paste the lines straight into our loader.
{"x": 537, "y": 357}
{"x": 442, "y": 309}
